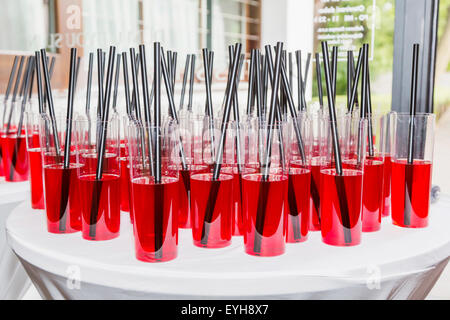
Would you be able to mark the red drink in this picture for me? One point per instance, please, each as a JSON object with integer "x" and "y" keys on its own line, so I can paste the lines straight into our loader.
{"x": 90, "y": 162}
{"x": 237, "y": 215}
{"x": 62, "y": 199}
{"x": 211, "y": 210}
{"x": 314, "y": 197}
{"x": 372, "y": 194}
{"x": 411, "y": 185}
{"x": 36, "y": 181}
{"x": 100, "y": 206}
{"x": 340, "y": 207}
{"x": 155, "y": 208}
{"x": 2, "y": 172}
{"x": 264, "y": 207}
{"x": 15, "y": 158}
{"x": 35, "y": 142}
{"x": 184, "y": 213}
{"x": 298, "y": 205}
{"x": 124, "y": 185}
{"x": 387, "y": 186}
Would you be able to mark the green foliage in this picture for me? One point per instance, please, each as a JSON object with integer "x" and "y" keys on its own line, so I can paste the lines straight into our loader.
{"x": 383, "y": 52}
{"x": 383, "y": 41}
{"x": 444, "y": 7}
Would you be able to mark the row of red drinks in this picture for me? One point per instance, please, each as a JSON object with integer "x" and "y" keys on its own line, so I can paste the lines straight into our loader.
{"x": 297, "y": 196}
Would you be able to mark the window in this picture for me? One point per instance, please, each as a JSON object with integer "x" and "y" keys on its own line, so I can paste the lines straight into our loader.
{"x": 30, "y": 19}
{"x": 365, "y": 22}
{"x": 234, "y": 21}
{"x": 110, "y": 22}
{"x": 182, "y": 25}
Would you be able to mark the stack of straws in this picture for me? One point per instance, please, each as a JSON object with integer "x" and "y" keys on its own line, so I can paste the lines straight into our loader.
{"x": 271, "y": 176}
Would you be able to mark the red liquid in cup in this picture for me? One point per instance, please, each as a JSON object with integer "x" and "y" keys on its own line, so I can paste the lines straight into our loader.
{"x": 314, "y": 199}
{"x": 36, "y": 179}
{"x": 339, "y": 229}
{"x": 264, "y": 206}
{"x": 35, "y": 142}
{"x": 15, "y": 158}
{"x": 387, "y": 186}
{"x": 237, "y": 215}
{"x": 411, "y": 185}
{"x": 372, "y": 194}
{"x": 211, "y": 200}
{"x": 2, "y": 172}
{"x": 100, "y": 206}
{"x": 124, "y": 185}
{"x": 109, "y": 163}
{"x": 184, "y": 213}
{"x": 298, "y": 201}
{"x": 62, "y": 199}
{"x": 155, "y": 208}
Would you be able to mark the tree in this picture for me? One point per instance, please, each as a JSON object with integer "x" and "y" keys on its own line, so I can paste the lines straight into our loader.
{"x": 443, "y": 51}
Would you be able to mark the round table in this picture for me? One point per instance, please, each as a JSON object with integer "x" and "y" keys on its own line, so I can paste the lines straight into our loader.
{"x": 14, "y": 281}
{"x": 394, "y": 263}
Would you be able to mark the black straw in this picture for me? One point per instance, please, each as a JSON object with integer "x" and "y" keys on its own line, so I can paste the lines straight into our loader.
{"x": 191, "y": 82}
{"x": 145, "y": 92}
{"x": 105, "y": 114}
{"x": 355, "y": 81}
{"x": 227, "y": 111}
{"x": 291, "y": 105}
{"x": 185, "y": 75}
{"x": 214, "y": 191}
{"x": 72, "y": 79}
{"x": 273, "y": 101}
{"x": 126, "y": 84}
{"x": 11, "y": 77}
{"x": 409, "y": 170}
{"x": 100, "y": 83}
{"x": 116, "y": 84}
{"x": 24, "y": 102}
{"x": 174, "y": 70}
{"x": 157, "y": 110}
{"x": 300, "y": 89}
{"x": 413, "y": 101}
{"x": 251, "y": 77}
{"x": 146, "y": 100}
{"x": 134, "y": 74}
{"x": 88, "y": 95}
{"x": 308, "y": 63}
{"x": 349, "y": 78}
{"x": 319, "y": 80}
{"x": 51, "y": 107}
{"x": 339, "y": 178}
{"x": 334, "y": 64}
{"x": 25, "y": 77}
{"x": 207, "y": 84}
{"x": 50, "y": 72}
{"x": 172, "y": 107}
{"x": 332, "y": 110}
{"x": 369, "y": 110}
{"x": 16, "y": 85}
{"x": 37, "y": 57}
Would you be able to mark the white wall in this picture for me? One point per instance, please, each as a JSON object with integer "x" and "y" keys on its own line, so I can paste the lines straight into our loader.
{"x": 290, "y": 21}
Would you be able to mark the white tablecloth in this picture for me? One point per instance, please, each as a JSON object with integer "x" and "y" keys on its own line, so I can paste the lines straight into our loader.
{"x": 394, "y": 263}
{"x": 13, "y": 279}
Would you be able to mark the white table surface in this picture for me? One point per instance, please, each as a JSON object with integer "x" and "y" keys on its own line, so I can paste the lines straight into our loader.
{"x": 13, "y": 278}
{"x": 392, "y": 263}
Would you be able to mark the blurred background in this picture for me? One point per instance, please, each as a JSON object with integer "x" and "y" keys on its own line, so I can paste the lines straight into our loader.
{"x": 187, "y": 26}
